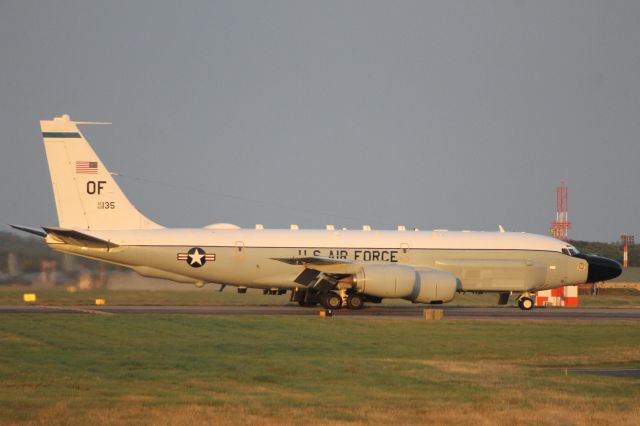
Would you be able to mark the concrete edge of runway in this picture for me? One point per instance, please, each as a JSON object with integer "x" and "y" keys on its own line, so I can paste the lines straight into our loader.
{"x": 450, "y": 312}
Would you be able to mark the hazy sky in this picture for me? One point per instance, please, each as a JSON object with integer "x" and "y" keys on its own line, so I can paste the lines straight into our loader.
{"x": 432, "y": 114}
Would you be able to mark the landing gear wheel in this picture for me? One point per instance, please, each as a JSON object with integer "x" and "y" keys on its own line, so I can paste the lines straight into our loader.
{"x": 355, "y": 301}
{"x": 525, "y": 303}
{"x": 332, "y": 300}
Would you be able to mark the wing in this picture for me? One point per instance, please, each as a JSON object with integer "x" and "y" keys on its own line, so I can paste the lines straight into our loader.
{"x": 324, "y": 264}
{"x": 321, "y": 271}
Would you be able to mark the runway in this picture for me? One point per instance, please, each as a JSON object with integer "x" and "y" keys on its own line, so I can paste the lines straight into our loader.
{"x": 450, "y": 312}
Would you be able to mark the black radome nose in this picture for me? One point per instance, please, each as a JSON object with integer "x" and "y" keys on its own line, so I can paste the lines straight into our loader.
{"x": 601, "y": 268}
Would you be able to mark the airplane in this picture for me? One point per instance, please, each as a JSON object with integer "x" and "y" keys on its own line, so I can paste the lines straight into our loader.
{"x": 332, "y": 267}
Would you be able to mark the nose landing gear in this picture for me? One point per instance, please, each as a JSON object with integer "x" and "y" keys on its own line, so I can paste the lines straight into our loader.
{"x": 525, "y": 302}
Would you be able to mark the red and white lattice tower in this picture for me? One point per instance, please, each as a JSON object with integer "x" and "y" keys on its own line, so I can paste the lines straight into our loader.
{"x": 560, "y": 227}
{"x": 627, "y": 240}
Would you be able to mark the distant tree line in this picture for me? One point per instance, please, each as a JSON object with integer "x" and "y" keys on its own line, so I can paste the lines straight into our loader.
{"x": 610, "y": 250}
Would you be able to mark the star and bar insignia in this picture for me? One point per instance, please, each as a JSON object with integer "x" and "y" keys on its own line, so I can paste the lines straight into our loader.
{"x": 196, "y": 257}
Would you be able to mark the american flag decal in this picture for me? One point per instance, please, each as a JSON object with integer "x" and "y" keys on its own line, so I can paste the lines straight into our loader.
{"x": 87, "y": 167}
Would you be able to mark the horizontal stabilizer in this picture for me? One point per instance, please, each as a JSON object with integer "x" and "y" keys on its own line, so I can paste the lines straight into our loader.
{"x": 76, "y": 238}
{"x": 31, "y": 230}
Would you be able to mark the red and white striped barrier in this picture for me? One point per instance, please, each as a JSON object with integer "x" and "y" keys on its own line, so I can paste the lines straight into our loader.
{"x": 571, "y": 296}
{"x": 561, "y": 296}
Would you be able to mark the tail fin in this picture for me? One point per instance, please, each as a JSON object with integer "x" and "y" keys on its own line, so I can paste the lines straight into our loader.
{"x": 87, "y": 196}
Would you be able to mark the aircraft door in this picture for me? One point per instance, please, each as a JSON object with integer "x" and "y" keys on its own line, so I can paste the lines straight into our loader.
{"x": 240, "y": 251}
{"x": 404, "y": 254}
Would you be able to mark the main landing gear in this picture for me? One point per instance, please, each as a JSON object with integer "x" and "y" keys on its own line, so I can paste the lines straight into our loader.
{"x": 331, "y": 300}
{"x": 335, "y": 300}
{"x": 328, "y": 299}
{"x": 355, "y": 301}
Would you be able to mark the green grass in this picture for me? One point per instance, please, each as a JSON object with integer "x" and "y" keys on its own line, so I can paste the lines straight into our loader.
{"x": 172, "y": 369}
{"x": 609, "y": 301}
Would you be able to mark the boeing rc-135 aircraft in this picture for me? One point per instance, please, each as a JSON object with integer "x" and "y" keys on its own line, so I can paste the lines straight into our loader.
{"x": 331, "y": 267}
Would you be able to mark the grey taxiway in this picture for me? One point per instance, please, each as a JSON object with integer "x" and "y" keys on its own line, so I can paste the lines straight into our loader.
{"x": 450, "y": 312}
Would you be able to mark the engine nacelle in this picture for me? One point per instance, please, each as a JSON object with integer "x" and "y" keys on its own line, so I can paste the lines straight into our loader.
{"x": 434, "y": 287}
{"x": 396, "y": 281}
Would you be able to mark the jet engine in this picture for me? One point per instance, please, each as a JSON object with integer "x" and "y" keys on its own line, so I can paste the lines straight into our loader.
{"x": 395, "y": 281}
{"x": 434, "y": 287}
{"x": 404, "y": 282}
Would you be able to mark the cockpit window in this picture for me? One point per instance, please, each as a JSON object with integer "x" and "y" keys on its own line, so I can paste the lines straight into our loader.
{"x": 570, "y": 251}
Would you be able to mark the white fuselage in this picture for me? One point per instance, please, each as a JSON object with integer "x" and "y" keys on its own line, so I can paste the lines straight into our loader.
{"x": 96, "y": 220}
{"x": 482, "y": 261}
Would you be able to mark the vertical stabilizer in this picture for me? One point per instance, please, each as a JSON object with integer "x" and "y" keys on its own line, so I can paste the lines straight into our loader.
{"x": 87, "y": 196}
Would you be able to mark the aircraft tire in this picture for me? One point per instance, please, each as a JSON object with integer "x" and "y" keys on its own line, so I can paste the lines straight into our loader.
{"x": 355, "y": 301}
{"x": 331, "y": 300}
{"x": 525, "y": 303}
